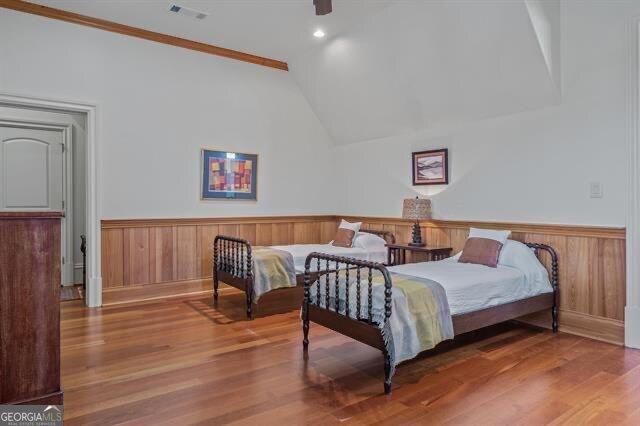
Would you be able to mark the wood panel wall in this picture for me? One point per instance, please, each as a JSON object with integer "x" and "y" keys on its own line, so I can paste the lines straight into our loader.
{"x": 144, "y": 259}
{"x": 591, "y": 268}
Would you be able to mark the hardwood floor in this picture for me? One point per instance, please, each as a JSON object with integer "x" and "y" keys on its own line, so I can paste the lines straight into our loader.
{"x": 184, "y": 361}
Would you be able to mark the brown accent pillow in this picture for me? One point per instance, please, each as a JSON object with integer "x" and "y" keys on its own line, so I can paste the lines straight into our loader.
{"x": 481, "y": 251}
{"x": 344, "y": 238}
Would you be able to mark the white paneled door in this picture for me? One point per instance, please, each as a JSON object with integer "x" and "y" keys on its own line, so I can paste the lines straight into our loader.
{"x": 32, "y": 169}
{"x": 32, "y": 175}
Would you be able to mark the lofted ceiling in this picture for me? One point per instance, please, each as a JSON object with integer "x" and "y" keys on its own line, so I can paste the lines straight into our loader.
{"x": 277, "y": 29}
{"x": 386, "y": 67}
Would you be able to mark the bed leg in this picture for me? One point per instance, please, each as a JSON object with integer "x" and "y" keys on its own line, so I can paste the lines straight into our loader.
{"x": 305, "y": 331}
{"x": 215, "y": 270}
{"x": 387, "y": 373}
{"x": 215, "y": 286}
{"x": 249, "y": 303}
{"x": 305, "y": 325}
{"x": 554, "y": 319}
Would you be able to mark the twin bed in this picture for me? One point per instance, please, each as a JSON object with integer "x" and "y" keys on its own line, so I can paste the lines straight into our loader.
{"x": 235, "y": 262}
{"x": 406, "y": 309}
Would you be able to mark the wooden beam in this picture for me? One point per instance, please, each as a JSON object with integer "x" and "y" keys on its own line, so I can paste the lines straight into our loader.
{"x": 63, "y": 15}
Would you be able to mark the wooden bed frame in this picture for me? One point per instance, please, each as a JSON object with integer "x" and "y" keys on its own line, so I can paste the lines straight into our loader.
{"x": 232, "y": 265}
{"x": 367, "y": 331}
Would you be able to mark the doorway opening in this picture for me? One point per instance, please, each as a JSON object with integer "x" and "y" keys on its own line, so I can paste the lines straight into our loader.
{"x": 42, "y": 169}
{"x": 48, "y": 150}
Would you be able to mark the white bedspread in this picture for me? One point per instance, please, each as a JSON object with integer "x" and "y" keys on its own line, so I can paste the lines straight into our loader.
{"x": 471, "y": 287}
{"x": 301, "y": 251}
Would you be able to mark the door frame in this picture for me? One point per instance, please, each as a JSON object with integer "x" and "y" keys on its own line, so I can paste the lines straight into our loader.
{"x": 632, "y": 306}
{"x": 93, "y": 193}
{"x": 68, "y": 267}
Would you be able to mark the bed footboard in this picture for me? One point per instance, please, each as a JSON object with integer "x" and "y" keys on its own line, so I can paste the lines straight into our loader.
{"x": 232, "y": 264}
{"x": 327, "y": 309}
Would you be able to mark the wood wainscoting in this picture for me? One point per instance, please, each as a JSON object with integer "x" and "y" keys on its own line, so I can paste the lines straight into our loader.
{"x": 150, "y": 258}
{"x": 591, "y": 262}
{"x": 153, "y": 258}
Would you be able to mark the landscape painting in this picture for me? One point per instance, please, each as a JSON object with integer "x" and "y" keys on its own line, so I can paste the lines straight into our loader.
{"x": 229, "y": 175}
{"x": 430, "y": 167}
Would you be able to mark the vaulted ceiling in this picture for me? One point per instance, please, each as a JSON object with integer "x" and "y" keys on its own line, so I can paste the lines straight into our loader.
{"x": 278, "y": 29}
{"x": 424, "y": 64}
{"x": 386, "y": 67}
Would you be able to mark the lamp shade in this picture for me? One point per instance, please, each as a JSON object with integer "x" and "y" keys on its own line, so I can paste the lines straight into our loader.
{"x": 416, "y": 209}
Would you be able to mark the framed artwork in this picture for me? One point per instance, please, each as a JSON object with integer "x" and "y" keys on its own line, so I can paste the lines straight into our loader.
{"x": 229, "y": 175}
{"x": 431, "y": 167}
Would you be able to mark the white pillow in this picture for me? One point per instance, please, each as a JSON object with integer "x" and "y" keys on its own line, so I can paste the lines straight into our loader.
{"x": 369, "y": 241}
{"x": 500, "y": 236}
{"x": 517, "y": 255}
{"x": 355, "y": 227}
{"x": 514, "y": 254}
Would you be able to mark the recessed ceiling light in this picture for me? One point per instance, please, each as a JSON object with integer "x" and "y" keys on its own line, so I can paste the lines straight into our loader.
{"x": 318, "y": 34}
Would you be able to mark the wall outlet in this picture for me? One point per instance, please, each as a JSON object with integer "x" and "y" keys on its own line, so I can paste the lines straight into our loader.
{"x": 595, "y": 190}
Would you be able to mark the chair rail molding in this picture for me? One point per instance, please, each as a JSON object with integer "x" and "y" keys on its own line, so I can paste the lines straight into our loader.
{"x": 93, "y": 208}
{"x": 632, "y": 308}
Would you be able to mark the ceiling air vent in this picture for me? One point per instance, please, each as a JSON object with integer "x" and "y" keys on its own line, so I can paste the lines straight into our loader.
{"x": 187, "y": 12}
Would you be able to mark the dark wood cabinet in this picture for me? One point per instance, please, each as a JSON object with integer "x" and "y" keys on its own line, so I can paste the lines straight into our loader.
{"x": 30, "y": 307}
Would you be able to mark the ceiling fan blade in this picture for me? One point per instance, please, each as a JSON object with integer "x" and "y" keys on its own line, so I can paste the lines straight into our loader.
{"x": 323, "y": 7}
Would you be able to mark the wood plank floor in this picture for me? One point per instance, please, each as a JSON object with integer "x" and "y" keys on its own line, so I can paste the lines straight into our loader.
{"x": 186, "y": 362}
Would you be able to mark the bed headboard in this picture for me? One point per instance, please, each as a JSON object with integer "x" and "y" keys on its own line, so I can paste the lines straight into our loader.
{"x": 386, "y": 235}
{"x": 553, "y": 275}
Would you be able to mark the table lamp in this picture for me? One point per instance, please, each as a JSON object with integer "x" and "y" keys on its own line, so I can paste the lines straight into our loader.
{"x": 416, "y": 209}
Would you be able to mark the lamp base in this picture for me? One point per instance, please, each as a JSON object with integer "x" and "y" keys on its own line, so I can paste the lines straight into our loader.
{"x": 416, "y": 236}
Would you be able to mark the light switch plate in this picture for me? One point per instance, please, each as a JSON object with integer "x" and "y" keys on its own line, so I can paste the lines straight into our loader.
{"x": 595, "y": 189}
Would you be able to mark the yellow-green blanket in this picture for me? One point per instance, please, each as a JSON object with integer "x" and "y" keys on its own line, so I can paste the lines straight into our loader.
{"x": 272, "y": 269}
{"x": 420, "y": 316}
{"x": 428, "y": 309}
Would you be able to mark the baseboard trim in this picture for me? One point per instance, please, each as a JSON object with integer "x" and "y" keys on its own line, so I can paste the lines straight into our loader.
{"x": 597, "y": 328}
{"x": 54, "y": 398}
{"x": 128, "y": 294}
{"x": 632, "y": 329}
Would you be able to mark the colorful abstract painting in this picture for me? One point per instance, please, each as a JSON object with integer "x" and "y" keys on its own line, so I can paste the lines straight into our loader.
{"x": 229, "y": 175}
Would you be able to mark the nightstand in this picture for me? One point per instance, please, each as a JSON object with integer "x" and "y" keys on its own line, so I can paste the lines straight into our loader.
{"x": 397, "y": 253}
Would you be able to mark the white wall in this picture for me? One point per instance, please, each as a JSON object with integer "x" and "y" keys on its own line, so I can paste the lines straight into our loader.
{"x": 531, "y": 166}
{"x": 158, "y": 105}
